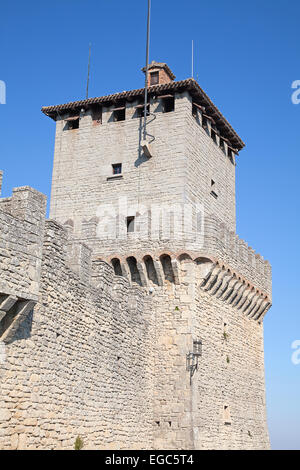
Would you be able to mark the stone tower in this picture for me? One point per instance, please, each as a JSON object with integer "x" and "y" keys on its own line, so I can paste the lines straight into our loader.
{"x": 167, "y": 223}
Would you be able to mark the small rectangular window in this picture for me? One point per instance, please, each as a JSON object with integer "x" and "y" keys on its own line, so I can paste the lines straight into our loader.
{"x": 168, "y": 104}
{"x": 97, "y": 116}
{"x": 130, "y": 224}
{"x": 117, "y": 168}
{"x": 214, "y": 135}
{"x": 140, "y": 110}
{"x": 72, "y": 122}
{"x": 119, "y": 113}
{"x": 154, "y": 78}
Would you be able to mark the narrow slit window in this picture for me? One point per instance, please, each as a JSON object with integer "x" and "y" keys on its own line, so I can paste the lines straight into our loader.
{"x": 130, "y": 224}
{"x": 213, "y": 189}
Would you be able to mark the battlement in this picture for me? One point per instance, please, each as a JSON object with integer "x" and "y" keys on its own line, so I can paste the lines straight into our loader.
{"x": 114, "y": 334}
{"x": 215, "y": 241}
{"x": 226, "y": 246}
{"x": 22, "y": 219}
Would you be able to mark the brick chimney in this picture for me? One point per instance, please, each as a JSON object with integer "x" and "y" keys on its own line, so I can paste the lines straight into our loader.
{"x": 159, "y": 73}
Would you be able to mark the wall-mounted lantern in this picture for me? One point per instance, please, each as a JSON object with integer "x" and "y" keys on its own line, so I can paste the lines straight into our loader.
{"x": 192, "y": 358}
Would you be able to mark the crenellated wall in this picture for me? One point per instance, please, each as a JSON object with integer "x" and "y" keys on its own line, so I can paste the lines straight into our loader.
{"x": 82, "y": 362}
{"x": 22, "y": 219}
{"x": 214, "y": 241}
{"x": 98, "y": 347}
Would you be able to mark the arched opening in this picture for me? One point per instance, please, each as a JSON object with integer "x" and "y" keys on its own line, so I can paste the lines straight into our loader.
{"x": 135, "y": 275}
{"x": 117, "y": 266}
{"x": 184, "y": 258}
{"x": 167, "y": 267}
{"x": 151, "y": 271}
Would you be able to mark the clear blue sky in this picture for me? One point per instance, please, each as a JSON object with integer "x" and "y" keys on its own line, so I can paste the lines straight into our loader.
{"x": 247, "y": 54}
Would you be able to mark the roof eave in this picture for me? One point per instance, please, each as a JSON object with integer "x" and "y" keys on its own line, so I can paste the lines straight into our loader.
{"x": 189, "y": 84}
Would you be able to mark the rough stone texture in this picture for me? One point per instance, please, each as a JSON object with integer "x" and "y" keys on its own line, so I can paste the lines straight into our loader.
{"x": 22, "y": 219}
{"x": 81, "y": 364}
{"x": 98, "y": 324}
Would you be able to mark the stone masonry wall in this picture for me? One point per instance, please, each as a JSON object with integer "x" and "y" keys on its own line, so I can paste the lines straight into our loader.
{"x": 82, "y": 362}
{"x": 22, "y": 219}
{"x": 179, "y": 172}
{"x": 230, "y": 372}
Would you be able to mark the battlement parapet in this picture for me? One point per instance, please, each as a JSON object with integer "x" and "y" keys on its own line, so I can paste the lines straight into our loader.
{"x": 22, "y": 219}
{"x": 214, "y": 240}
{"x": 228, "y": 247}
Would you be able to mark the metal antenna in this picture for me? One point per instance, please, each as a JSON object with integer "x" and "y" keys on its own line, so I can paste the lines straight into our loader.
{"x": 147, "y": 69}
{"x": 88, "y": 76}
{"x": 192, "y": 58}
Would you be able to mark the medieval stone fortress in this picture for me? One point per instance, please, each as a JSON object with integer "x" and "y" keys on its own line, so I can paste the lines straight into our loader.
{"x": 134, "y": 316}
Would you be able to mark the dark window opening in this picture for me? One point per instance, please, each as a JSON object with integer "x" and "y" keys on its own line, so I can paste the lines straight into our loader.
{"x": 130, "y": 224}
{"x": 117, "y": 168}
{"x": 214, "y": 136}
{"x": 154, "y": 78}
{"x": 222, "y": 145}
{"x": 97, "y": 116}
{"x": 195, "y": 111}
{"x": 205, "y": 124}
{"x": 72, "y": 122}
{"x": 151, "y": 271}
{"x": 134, "y": 272}
{"x": 117, "y": 266}
{"x": 167, "y": 268}
{"x": 15, "y": 308}
{"x": 119, "y": 114}
{"x": 168, "y": 104}
{"x": 140, "y": 110}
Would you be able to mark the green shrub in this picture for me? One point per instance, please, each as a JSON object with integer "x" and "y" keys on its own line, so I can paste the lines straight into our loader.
{"x": 78, "y": 443}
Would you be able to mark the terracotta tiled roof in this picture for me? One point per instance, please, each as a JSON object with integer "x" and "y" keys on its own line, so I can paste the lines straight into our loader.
{"x": 198, "y": 95}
